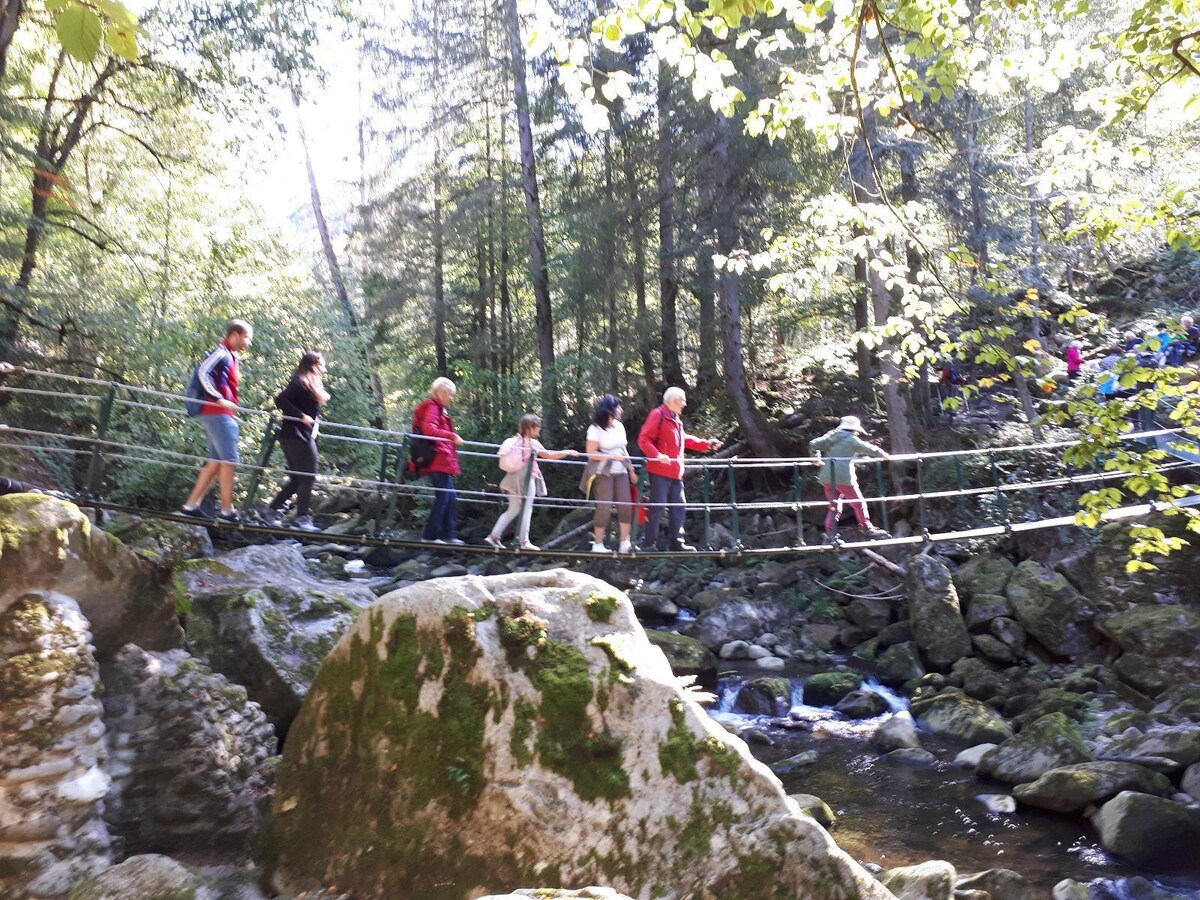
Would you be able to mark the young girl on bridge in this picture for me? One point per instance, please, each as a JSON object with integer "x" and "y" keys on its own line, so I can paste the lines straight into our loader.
{"x": 522, "y": 483}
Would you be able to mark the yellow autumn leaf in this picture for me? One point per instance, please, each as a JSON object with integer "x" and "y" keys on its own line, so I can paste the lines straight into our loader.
{"x": 1033, "y": 345}
{"x": 986, "y": 382}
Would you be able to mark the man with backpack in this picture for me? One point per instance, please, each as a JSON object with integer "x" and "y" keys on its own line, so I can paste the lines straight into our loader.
{"x": 663, "y": 440}
{"x": 215, "y": 385}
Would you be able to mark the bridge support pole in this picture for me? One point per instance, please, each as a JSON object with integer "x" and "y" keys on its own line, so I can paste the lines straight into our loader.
{"x": 264, "y": 457}
{"x": 389, "y": 519}
{"x": 883, "y": 510}
{"x": 95, "y": 473}
{"x": 799, "y": 504}
{"x": 733, "y": 507}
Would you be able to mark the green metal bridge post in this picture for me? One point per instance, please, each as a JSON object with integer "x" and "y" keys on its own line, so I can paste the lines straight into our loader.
{"x": 397, "y": 479}
{"x": 706, "y": 493}
{"x": 796, "y": 477}
{"x": 95, "y": 471}
{"x": 264, "y": 457}
{"x": 733, "y": 508}
{"x": 883, "y": 510}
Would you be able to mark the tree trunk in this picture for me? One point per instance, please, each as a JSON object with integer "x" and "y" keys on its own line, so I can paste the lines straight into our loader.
{"x": 977, "y": 241}
{"x": 539, "y": 274}
{"x": 439, "y": 268}
{"x": 668, "y": 282}
{"x": 910, "y": 193}
{"x": 10, "y": 20}
{"x": 365, "y": 353}
{"x": 708, "y": 380}
{"x": 608, "y": 260}
{"x": 638, "y": 239}
{"x": 756, "y": 431}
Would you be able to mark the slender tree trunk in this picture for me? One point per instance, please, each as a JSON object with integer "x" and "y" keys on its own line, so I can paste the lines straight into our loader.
{"x": 708, "y": 380}
{"x": 10, "y": 20}
{"x": 668, "y": 282}
{"x": 608, "y": 260}
{"x": 540, "y": 273}
{"x": 638, "y": 239}
{"x": 977, "y": 241}
{"x": 754, "y": 426}
{"x": 366, "y": 354}
{"x": 439, "y": 268}
{"x": 910, "y": 193}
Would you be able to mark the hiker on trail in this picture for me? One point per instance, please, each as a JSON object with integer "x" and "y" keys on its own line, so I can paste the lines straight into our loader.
{"x": 1130, "y": 342}
{"x": 431, "y": 419}
{"x": 835, "y": 451}
{"x": 609, "y": 476}
{"x": 663, "y": 440}
{"x": 217, "y": 378}
{"x": 1074, "y": 357}
{"x": 1186, "y": 345}
{"x": 521, "y": 482}
{"x": 300, "y": 402}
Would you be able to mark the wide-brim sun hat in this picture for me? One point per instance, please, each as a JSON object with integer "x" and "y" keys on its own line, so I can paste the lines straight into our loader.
{"x": 850, "y": 423}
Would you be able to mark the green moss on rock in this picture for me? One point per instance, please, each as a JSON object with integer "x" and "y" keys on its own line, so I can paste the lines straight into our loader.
{"x": 677, "y": 754}
{"x": 600, "y": 607}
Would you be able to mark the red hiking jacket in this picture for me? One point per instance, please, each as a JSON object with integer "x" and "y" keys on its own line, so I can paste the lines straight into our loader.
{"x": 663, "y": 433}
{"x": 432, "y": 420}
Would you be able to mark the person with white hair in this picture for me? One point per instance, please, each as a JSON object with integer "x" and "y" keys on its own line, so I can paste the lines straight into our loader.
{"x": 432, "y": 420}
{"x": 835, "y": 452}
{"x": 663, "y": 441}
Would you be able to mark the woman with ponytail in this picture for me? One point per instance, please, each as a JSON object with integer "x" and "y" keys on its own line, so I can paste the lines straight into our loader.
{"x": 300, "y": 402}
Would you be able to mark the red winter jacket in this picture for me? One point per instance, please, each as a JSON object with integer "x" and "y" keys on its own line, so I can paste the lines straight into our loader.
{"x": 431, "y": 419}
{"x": 663, "y": 433}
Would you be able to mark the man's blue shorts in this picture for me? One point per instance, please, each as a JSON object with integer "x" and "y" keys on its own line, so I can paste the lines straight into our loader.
{"x": 222, "y": 434}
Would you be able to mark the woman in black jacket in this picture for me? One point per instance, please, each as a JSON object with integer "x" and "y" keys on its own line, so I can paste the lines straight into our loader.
{"x": 300, "y": 402}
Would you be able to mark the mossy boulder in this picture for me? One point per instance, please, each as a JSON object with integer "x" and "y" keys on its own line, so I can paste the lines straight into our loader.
{"x": 740, "y": 620}
{"x": 1155, "y": 631}
{"x": 814, "y": 806}
{"x": 932, "y": 880}
{"x": 147, "y": 877}
{"x": 827, "y": 688}
{"x": 984, "y": 574}
{"x": 259, "y": 618}
{"x": 1176, "y": 747}
{"x": 1147, "y": 830}
{"x": 896, "y": 733}
{"x": 899, "y": 663}
{"x": 1071, "y": 789}
{"x": 687, "y": 656}
{"x": 981, "y": 609}
{"x": 934, "y": 613}
{"x": 162, "y": 543}
{"x": 1052, "y": 611}
{"x": 49, "y": 545}
{"x": 952, "y": 714}
{"x": 861, "y": 704}
{"x": 1048, "y": 743}
{"x": 484, "y": 732}
{"x": 767, "y": 696}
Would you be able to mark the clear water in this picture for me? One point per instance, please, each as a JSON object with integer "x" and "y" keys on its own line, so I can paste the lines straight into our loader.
{"x": 898, "y": 814}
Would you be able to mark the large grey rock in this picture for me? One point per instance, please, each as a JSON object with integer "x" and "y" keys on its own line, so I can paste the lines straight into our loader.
{"x": 872, "y": 613}
{"x": 1147, "y": 830}
{"x": 1000, "y": 884}
{"x": 187, "y": 754}
{"x": 163, "y": 543}
{"x": 986, "y": 573}
{"x": 954, "y": 715}
{"x": 981, "y": 609}
{"x": 934, "y": 613}
{"x": 1190, "y": 783}
{"x": 896, "y": 732}
{"x": 899, "y": 663}
{"x": 766, "y": 696}
{"x": 259, "y": 618}
{"x": 49, "y": 545}
{"x": 654, "y": 609}
{"x": 687, "y": 656}
{"x": 1155, "y": 631}
{"x": 489, "y": 725}
{"x": 739, "y": 620}
{"x": 149, "y": 877}
{"x": 1178, "y": 746}
{"x": 52, "y": 754}
{"x": 828, "y": 688}
{"x": 1071, "y": 789}
{"x": 1052, "y": 611}
{"x": 861, "y": 704}
{"x": 1048, "y": 743}
{"x": 933, "y": 880}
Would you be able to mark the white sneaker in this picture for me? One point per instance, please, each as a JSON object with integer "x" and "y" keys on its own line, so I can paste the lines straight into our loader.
{"x": 492, "y": 541}
{"x": 625, "y": 547}
{"x": 599, "y": 548}
{"x": 529, "y": 547}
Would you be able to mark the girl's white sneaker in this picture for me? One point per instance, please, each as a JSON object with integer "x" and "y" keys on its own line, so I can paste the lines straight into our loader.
{"x": 492, "y": 541}
{"x": 625, "y": 547}
{"x": 599, "y": 548}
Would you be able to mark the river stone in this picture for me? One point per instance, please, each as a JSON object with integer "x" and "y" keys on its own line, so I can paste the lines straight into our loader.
{"x": 861, "y": 704}
{"x": 687, "y": 656}
{"x": 982, "y": 608}
{"x": 771, "y": 663}
{"x": 654, "y": 609}
{"x": 1010, "y": 633}
{"x": 1155, "y": 631}
{"x": 1179, "y": 744}
{"x": 1052, "y": 611}
{"x": 52, "y": 752}
{"x": 934, "y": 614}
{"x": 999, "y": 884}
{"x": 952, "y": 714}
{"x": 1190, "y": 783}
{"x": 739, "y": 620}
{"x": 259, "y": 618}
{"x": 899, "y": 663}
{"x": 732, "y": 649}
{"x": 711, "y": 598}
{"x": 933, "y": 880}
{"x": 1067, "y": 889}
{"x": 163, "y": 543}
{"x": 412, "y": 570}
{"x": 896, "y": 732}
{"x": 1147, "y": 830}
{"x": 149, "y": 877}
{"x": 992, "y": 648}
{"x": 801, "y": 760}
{"x": 911, "y": 755}
{"x": 969, "y": 758}
{"x": 872, "y": 613}
{"x": 188, "y": 754}
{"x": 1048, "y": 743}
{"x": 765, "y": 696}
{"x": 487, "y": 725}
{"x": 986, "y": 573}
{"x": 980, "y": 678}
{"x": 1153, "y": 676}
{"x": 828, "y": 688}
{"x": 812, "y": 805}
{"x": 587, "y": 893}
{"x": 1071, "y": 789}
{"x": 49, "y": 545}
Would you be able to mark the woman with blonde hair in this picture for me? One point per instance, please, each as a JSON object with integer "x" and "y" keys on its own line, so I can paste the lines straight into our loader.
{"x": 300, "y": 402}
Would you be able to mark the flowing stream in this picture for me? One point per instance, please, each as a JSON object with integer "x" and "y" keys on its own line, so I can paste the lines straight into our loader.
{"x": 899, "y": 813}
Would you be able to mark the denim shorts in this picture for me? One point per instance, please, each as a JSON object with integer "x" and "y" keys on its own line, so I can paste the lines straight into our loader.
{"x": 222, "y": 434}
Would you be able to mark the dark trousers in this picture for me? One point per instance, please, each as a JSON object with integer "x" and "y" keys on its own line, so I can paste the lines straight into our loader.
{"x": 301, "y": 457}
{"x": 442, "y": 525}
{"x": 12, "y": 486}
{"x": 669, "y": 492}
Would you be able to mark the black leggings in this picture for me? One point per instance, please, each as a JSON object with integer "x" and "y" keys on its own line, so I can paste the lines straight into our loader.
{"x": 12, "y": 486}
{"x": 301, "y": 458}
